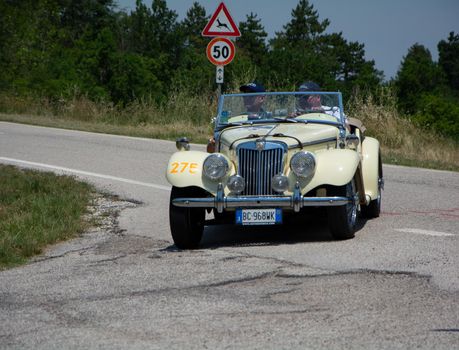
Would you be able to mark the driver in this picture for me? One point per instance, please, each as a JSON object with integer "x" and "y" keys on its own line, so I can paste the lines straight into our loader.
{"x": 253, "y": 104}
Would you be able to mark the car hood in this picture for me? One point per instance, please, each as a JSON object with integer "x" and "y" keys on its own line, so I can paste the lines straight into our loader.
{"x": 306, "y": 133}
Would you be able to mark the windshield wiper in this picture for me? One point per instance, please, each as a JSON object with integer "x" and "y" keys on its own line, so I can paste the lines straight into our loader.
{"x": 291, "y": 120}
{"x": 292, "y": 137}
{"x": 223, "y": 126}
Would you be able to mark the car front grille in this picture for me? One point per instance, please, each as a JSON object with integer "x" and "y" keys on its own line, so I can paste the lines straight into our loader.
{"x": 257, "y": 167}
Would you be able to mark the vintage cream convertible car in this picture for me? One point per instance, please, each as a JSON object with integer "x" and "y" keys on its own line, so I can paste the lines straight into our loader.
{"x": 280, "y": 160}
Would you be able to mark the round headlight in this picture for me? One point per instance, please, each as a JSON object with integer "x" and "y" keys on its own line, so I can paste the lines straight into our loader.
{"x": 236, "y": 184}
{"x": 303, "y": 164}
{"x": 279, "y": 183}
{"x": 215, "y": 167}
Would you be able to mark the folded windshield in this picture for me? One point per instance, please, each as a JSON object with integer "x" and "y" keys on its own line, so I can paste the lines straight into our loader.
{"x": 319, "y": 107}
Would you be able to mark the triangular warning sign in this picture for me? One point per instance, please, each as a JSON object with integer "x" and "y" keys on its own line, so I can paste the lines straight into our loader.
{"x": 221, "y": 24}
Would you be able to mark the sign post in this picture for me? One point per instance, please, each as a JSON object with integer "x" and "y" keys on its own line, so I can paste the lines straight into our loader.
{"x": 220, "y": 50}
{"x": 219, "y": 74}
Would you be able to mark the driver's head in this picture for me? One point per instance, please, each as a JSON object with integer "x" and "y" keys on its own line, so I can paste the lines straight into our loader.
{"x": 309, "y": 101}
{"x": 253, "y": 103}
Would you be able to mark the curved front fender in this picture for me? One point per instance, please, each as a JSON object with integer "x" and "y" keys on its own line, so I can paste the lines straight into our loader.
{"x": 334, "y": 167}
{"x": 185, "y": 169}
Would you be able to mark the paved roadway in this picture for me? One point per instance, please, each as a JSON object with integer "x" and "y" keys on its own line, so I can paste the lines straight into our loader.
{"x": 396, "y": 285}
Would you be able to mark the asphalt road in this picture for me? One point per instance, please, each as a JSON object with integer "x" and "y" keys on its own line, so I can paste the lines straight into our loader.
{"x": 125, "y": 285}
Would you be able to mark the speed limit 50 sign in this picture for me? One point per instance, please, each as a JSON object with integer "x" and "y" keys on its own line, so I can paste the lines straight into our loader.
{"x": 220, "y": 51}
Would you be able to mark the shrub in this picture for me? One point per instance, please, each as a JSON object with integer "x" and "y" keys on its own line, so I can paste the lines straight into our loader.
{"x": 438, "y": 113}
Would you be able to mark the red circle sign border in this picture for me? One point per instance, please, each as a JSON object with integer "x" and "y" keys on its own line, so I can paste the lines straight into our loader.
{"x": 229, "y": 59}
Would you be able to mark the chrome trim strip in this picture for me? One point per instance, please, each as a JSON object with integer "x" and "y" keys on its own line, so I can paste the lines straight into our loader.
{"x": 292, "y": 202}
{"x": 269, "y": 145}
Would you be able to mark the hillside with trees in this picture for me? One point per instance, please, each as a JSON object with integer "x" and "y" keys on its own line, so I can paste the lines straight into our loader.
{"x": 55, "y": 51}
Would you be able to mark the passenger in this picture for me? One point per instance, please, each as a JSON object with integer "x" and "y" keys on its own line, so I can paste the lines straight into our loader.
{"x": 313, "y": 103}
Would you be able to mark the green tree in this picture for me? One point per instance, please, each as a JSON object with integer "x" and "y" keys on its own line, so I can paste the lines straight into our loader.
{"x": 252, "y": 41}
{"x": 418, "y": 74}
{"x": 133, "y": 78}
{"x": 31, "y": 35}
{"x": 348, "y": 67}
{"x": 438, "y": 113}
{"x": 294, "y": 54}
{"x": 165, "y": 28}
{"x": 303, "y": 28}
{"x": 449, "y": 59}
{"x": 303, "y": 51}
{"x": 194, "y": 73}
{"x": 192, "y": 26}
{"x": 155, "y": 33}
{"x": 83, "y": 17}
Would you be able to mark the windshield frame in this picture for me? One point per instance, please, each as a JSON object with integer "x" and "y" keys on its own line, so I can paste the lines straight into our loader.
{"x": 338, "y": 95}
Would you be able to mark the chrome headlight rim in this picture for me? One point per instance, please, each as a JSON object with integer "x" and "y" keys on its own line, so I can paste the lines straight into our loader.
{"x": 236, "y": 184}
{"x": 215, "y": 167}
{"x": 303, "y": 164}
{"x": 279, "y": 183}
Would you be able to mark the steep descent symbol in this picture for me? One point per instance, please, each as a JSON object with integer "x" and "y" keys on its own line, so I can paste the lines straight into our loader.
{"x": 221, "y": 24}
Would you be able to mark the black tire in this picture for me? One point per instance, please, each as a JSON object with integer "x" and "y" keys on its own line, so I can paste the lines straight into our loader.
{"x": 187, "y": 224}
{"x": 373, "y": 209}
{"x": 342, "y": 219}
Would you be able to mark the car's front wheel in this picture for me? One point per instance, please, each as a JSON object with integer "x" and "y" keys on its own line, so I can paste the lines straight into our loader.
{"x": 342, "y": 219}
{"x": 187, "y": 224}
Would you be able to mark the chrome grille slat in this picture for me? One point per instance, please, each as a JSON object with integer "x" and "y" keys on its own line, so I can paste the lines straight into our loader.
{"x": 258, "y": 167}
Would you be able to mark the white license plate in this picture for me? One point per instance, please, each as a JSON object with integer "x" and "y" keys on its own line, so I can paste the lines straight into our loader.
{"x": 258, "y": 216}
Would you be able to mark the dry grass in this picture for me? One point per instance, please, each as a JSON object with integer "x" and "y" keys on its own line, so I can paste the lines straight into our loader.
{"x": 182, "y": 114}
{"x": 401, "y": 141}
{"x": 186, "y": 115}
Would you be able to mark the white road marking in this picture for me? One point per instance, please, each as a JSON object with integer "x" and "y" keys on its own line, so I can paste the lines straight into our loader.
{"x": 424, "y": 232}
{"x": 80, "y": 172}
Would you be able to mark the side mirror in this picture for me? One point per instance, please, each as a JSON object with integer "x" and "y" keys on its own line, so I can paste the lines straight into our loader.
{"x": 182, "y": 144}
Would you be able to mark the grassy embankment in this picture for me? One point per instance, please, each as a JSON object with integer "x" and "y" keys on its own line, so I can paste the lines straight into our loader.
{"x": 402, "y": 142}
{"x": 37, "y": 209}
{"x": 184, "y": 115}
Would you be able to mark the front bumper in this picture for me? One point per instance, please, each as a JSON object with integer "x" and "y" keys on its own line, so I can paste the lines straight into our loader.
{"x": 296, "y": 201}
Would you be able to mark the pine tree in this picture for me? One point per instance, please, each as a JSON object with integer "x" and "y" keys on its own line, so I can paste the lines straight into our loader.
{"x": 449, "y": 59}
{"x": 304, "y": 28}
{"x": 253, "y": 39}
{"x": 192, "y": 26}
{"x": 418, "y": 74}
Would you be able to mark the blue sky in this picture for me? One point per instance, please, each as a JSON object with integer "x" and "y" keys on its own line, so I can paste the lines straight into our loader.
{"x": 386, "y": 27}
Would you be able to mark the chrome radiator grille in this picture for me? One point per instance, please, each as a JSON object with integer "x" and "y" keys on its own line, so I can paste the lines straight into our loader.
{"x": 257, "y": 167}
